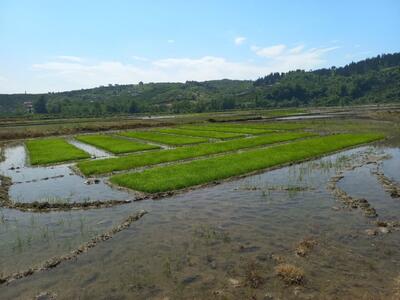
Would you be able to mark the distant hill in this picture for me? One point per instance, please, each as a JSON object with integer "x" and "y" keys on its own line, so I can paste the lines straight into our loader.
{"x": 373, "y": 80}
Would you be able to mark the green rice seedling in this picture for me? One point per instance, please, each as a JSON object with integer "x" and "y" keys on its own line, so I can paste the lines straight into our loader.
{"x": 53, "y": 150}
{"x": 227, "y": 129}
{"x": 162, "y": 138}
{"x": 266, "y": 125}
{"x": 174, "y": 177}
{"x": 202, "y": 133}
{"x": 146, "y": 159}
{"x": 114, "y": 144}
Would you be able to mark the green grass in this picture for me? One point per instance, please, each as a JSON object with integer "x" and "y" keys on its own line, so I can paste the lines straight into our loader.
{"x": 54, "y": 150}
{"x": 202, "y": 133}
{"x": 113, "y": 144}
{"x": 260, "y": 125}
{"x": 167, "y": 139}
{"x": 173, "y": 177}
{"x": 233, "y": 129}
{"x": 146, "y": 159}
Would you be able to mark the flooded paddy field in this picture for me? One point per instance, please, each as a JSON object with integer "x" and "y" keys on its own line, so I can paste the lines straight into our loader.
{"x": 278, "y": 234}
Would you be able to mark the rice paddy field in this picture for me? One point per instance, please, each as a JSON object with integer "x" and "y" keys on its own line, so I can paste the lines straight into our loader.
{"x": 165, "y": 139}
{"x": 55, "y": 150}
{"x": 114, "y": 144}
{"x": 265, "y": 209}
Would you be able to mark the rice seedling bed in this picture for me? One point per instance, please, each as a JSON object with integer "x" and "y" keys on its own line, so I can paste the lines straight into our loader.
{"x": 179, "y": 176}
{"x": 53, "y": 150}
{"x": 167, "y": 139}
{"x": 260, "y": 125}
{"x": 114, "y": 144}
{"x": 146, "y": 159}
{"x": 231, "y": 129}
{"x": 202, "y": 133}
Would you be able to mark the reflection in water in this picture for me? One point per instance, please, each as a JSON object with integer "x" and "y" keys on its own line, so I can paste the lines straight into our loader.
{"x": 55, "y": 183}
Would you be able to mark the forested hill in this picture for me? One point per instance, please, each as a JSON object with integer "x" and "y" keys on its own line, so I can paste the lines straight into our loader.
{"x": 374, "y": 80}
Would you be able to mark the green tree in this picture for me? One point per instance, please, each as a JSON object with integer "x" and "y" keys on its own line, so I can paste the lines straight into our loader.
{"x": 40, "y": 105}
{"x": 133, "y": 107}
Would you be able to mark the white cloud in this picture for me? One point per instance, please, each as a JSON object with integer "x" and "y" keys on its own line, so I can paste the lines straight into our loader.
{"x": 239, "y": 40}
{"x": 66, "y": 74}
{"x": 81, "y": 75}
{"x": 283, "y": 58}
{"x": 70, "y": 58}
{"x": 140, "y": 58}
{"x": 297, "y": 49}
{"x": 271, "y": 51}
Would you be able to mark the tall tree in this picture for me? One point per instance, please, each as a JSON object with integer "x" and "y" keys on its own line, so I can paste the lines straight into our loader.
{"x": 133, "y": 107}
{"x": 40, "y": 105}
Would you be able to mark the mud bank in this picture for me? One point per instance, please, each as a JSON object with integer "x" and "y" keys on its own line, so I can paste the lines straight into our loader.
{"x": 55, "y": 261}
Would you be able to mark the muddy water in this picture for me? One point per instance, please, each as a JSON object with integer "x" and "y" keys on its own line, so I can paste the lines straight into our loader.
{"x": 55, "y": 183}
{"x": 204, "y": 244}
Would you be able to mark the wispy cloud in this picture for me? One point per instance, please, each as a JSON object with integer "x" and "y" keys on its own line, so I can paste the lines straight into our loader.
{"x": 239, "y": 40}
{"x": 270, "y": 51}
{"x": 169, "y": 69}
{"x": 170, "y": 41}
{"x": 70, "y": 58}
{"x": 282, "y": 57}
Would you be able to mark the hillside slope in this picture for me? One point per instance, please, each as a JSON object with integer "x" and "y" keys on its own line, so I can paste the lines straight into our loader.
{"x": 373, "y": 80}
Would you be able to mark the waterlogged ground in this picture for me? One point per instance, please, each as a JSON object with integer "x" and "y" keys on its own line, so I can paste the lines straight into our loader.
{"x": 53, "y": 184}
{"x": 220, "y": 242}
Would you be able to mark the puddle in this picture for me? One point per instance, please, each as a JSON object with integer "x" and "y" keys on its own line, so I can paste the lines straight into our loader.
{"x": 54, "y": 183}
{"x": 391, "y": 167}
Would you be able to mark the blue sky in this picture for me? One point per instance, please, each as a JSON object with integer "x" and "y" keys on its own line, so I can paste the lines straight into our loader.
{"x": 63, "y": 45}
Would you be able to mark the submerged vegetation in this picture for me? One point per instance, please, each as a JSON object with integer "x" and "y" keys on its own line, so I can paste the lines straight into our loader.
{"x": 174, "y": 177}
{"x": 53, "y": 150}
{"x": 290, "y": 274}
{"x": 114, "y": 144}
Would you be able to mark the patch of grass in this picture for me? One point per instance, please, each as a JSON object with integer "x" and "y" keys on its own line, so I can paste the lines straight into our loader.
{"x": 290, "y": 274}
{"x": 233, "y": 129}
{"x": 202, "y": 133}
{"x": 114, "y": 144}
{"x": 193, "y": 173}
{"x": 54, "y": 150}
{"x": 146, "y": 159}
{"x": 167, "y": 139}
{"x": 305, "y": 246}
